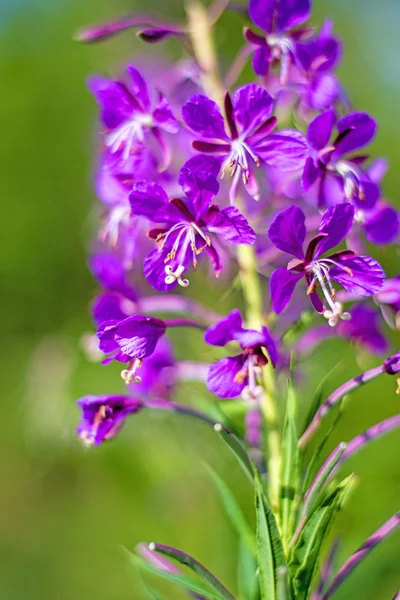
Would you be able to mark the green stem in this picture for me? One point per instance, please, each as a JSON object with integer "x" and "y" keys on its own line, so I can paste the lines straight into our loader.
{"x": 200, "y": 31}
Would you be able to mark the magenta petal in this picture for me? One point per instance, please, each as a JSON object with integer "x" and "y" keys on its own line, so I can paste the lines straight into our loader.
{"x": 109, "y": 272}
{"x": 382, "y": 225}
{"x": 209, "y": 164}
{"x": 254, "y": 38}
{"x": 310, "y": 174}
{"x": 366, "y": 277}
{"x": 323, "y": 92}
{"x": 108, "y": 307}
{"x": 252, "y": 106}
{"x": 148, "y": 199}
{"x": 282, "y": 285}
{"x": 223, "y": 332}
{"x": 320, "y": 129}
{"x": 233, "y": 227}
{"x": 137, "y": 336}
{"x": 292, "y": 13}
{"x": 221, "y": 377}
{"x": 164, "y": 117}
{"x": 138, "y": 87}
{"x": 288, "y": 231}
{"x": 203, "y": 116}
{"x": 336, "y": 223}
{"x": 154, "y": 271}
{"x": 362, "y": 129}
{"x": 261, "y": 61}
{"x": 114, "y": 101}
{"x": 285, "y": 150}
{"x": 262, "y": 13}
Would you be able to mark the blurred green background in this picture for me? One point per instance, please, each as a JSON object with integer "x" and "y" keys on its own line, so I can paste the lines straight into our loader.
{"x": 65, "y": 512}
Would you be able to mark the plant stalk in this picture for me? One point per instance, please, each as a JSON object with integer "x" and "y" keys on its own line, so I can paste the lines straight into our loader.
{"x": 200, "y": 31}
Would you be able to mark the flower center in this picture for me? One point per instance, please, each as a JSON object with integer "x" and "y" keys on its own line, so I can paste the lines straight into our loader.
{"x": 237, "y": 160}
{"x": 129, "y": 134}
{"x": 320, "y": 271}
{"x": 351, "y": 179}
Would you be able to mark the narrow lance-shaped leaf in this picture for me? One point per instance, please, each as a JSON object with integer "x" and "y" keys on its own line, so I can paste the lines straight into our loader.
{"x": 354, "y": 560}
{"x": 290, "y": 468}
{"x": 270, "y": 553}
{"x": 315, "y": 404}
{"x": 247, "y": 578}
{"x": 283, "y": 592}
{"x": 307, "y": 551}
{"x": 185, "y": 559}
{"x": 186, "y": 581}
{"x": 321, "y": 478}
{"x": 326, "y": 572}
{"x": 163, "y": 564}
{"x": 233, "y": 511}
{"x": 237, "y": 449}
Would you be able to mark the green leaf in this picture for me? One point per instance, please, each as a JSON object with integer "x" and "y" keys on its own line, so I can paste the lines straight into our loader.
{"x": 283, "y": 584}
{"x": 185, "y": 559}
{"x": 187, "y": 581}
{"x": 290, "y": 477}
{"x": 317, "y": 454}
{"x": 318, "y": 484}
{"x": 307, "y": 551}
{"x": 315, "y": 404}
{"x": 236, "y": 447}
{"x": 233, "y": 511}
{"x": 247, "y": 578}
{"x": 270, "y": 553}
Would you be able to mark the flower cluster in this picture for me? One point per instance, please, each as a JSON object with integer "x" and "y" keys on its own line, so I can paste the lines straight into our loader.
{"x": 194, "y": 174}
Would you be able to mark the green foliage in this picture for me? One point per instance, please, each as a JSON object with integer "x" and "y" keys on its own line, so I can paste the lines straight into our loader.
{"x": 187, "y": 581}
{"x": 307, "y": 550}
{"x": 247, "y": 578}
{"x": 270, "y": 553}
{"x": 233, "y": 511}
{"x": 236, "y": 447}
{"x": 290, "y": 468}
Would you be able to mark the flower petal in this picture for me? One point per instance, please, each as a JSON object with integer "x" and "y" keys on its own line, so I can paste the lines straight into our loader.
{"x": 164, "y": 117}
{"x": 320, "y": 129}
{"x": 109, "y": 272}
{"x": 224, "y": 330}
{"x": 310, "y": 174}
{"x": 139, "y": 87}
{"x": 282, "y": 285}
{"x": 203, "y": 116}
{"x": 361, "y": 129}
{"x": 288, "y": 231}
{"x": 291, "y": 13}
{"x": 233, "y": 227}
{"x": 261, "y": 61}
{"x": 103, "y": 416}
{"x": 285, "y": 150}
{"x": 108, "y": 307}
{"x": 221, "y": 377}
{"x": 366, "y": 278}
{"x": 113, "y": 99}
{"x": 382, "y": 225}
{"x": 262, "y": 13}
{"x": 148, "y": 199}
{"x": 336, "y": 223}
{"x": 137, "y": 336}
{"x": 323, "y": 91}
{"x": 252, "y": 106}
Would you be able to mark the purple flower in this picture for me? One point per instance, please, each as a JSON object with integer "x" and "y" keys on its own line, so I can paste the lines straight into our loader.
{"x": 130, "y": 341}
{"x": 388, "y": 299}
{"x": 277, "y": 18}
{"x": 360, "y": 275}
{"x": 109, "y": 272}
{"x": 335, "y": 177}
{"x": 249, "y": 140}
{"x": 363, "y": 329}
{"x": 316, "y": 59}
{"x": 392, "y": 364}
{"x": 103, "y": 416}
{"x": 184, "y": 227}
{"x": 158, "y": 373}
{"x": 128, "y": 115}
{"x": 230, "y": 376}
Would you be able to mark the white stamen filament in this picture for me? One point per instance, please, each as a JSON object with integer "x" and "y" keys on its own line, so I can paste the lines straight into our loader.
{"x": 128, "y": 134}
{"x": 237, "y": 159}
{"x": 129, "y": 375}
{"x": 320, "y": 270}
